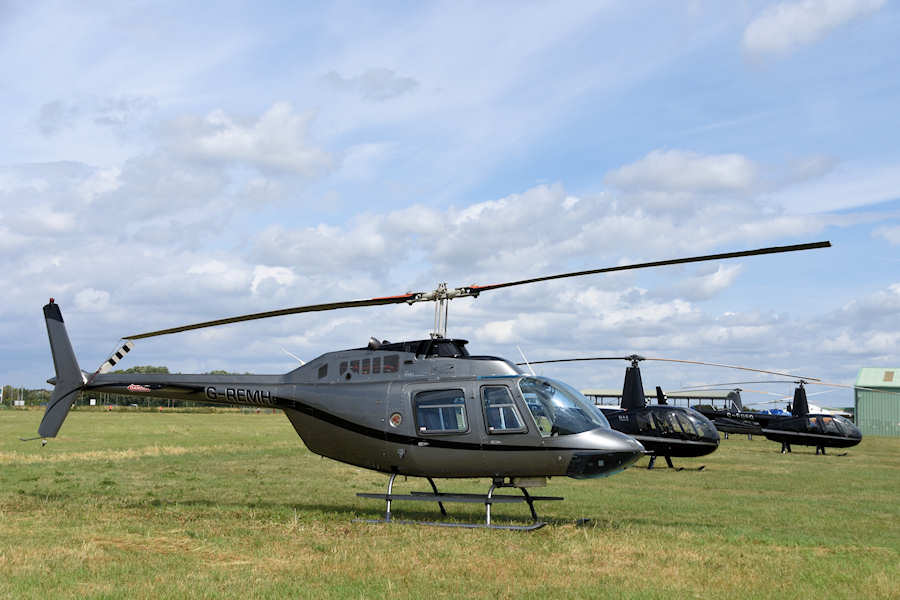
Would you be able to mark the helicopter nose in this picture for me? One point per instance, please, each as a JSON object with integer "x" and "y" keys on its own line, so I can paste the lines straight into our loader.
{"x": 611, "y": 453}
{"x": 622, "y": 442}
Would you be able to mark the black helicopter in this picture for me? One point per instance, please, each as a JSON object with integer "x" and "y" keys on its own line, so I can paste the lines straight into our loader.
{"x": 732, "y": 405}
{"x": 663, "y": 430}
{"x": 424, "y": 408}
{"x": 801, "y": 427}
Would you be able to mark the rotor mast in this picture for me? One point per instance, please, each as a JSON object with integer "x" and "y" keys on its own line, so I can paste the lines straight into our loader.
{"x": 441, "y": 297}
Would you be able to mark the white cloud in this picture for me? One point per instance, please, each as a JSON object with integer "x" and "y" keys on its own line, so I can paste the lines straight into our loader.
{"x": 220, "y": 275}
{"x": 686, "y": 171}
{"x": 499, "y": 332}
{"x": 276, "y": 141}
{"x": 786, "y": 25}
{"x": 848, "y": 185}
{"x": 116, "y": 112}
{"x": 264, "y": 277}
{"x": 42, "y": 218}
{"x": 362, "y": 160}
{"x": 891, "y": 234}
{"x": 702, "y": 287}
{"x": 98, "y": 183}
{"x": 91, "y": 300}
{"x": 865, "y": 328}
{"x": 374, "y": 85}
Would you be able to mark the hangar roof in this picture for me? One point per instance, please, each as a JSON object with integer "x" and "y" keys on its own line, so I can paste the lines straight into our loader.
{"x": 879, "y": 377}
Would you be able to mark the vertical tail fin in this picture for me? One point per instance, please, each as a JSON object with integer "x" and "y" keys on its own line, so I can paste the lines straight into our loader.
{"x": 800, "y": 407}
{"x": 633, "y": 389}
{"x": 660, "y": 397}
{"x": 69, "y": 378}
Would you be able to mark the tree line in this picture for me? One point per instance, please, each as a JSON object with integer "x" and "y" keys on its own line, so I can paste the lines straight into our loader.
{"x": 40, "y": 396}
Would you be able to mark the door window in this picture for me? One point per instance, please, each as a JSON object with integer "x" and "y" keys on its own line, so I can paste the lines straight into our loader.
{"x": 500, "y": 412}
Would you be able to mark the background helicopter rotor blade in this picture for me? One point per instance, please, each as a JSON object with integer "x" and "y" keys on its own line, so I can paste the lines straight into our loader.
{"x": 726, "y": 385}
{"x": 659, "y": 263}
{"x": 442, "y": 293}
{"x": 675, "y": 360}
{"x": 709, "y": 364}
{"x": 783, "y": 399}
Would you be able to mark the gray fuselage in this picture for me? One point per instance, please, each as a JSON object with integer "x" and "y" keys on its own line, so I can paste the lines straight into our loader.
{"x": 378, "y": 409}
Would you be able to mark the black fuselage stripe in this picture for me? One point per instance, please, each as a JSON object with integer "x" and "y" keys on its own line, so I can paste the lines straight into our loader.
{"x": 664, "y": 440}
{"x": 397, "y": 438}
{"x": 809, "y": 435}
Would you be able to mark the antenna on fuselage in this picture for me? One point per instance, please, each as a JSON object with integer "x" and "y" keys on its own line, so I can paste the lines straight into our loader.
{"x": 528, "y": 364}
{"x": 294, "y": 356}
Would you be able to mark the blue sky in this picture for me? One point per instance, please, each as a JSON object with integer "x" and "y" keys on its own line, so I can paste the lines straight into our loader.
{"x": 165, "y": 164}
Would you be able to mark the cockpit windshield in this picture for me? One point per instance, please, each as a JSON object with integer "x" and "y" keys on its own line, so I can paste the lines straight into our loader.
{"x": 846, "y": 426}
{"x": 558, "y": 408}
{"x": 703, "y": 425}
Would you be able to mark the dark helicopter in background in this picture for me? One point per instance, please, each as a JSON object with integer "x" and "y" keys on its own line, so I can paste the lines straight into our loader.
{"x": 423, "y": 408}
{"x": 800, "y": 427}
{"x": 663, "y": 430}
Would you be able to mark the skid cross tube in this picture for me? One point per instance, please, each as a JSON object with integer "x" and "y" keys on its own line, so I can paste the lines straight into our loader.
{"x": 488, "y": 500}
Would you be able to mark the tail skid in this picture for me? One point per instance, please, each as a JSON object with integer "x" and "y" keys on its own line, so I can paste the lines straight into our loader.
{"x": 69, "y": 379}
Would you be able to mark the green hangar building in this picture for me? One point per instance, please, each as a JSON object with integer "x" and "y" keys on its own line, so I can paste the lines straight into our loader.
{"x": 878, "y": 413}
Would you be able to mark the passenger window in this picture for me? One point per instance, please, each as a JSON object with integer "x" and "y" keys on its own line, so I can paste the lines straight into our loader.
{"x": 323, "y": 371}
{"x": 663, "y": 424}
{"x": 500, "y": 412}
{"x": 365, "y": 366}
{"x": 391, "y": 363}
{"x": 354, "y": 366}
{"x": 376, "y": 365}
{"x": 343, "y": 368}
{"x": 644, "y": 423}
{"x": 686, "y": 425}
{"x": 441, "y": 411}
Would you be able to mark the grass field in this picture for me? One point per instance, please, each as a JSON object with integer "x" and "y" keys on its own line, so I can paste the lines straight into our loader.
{"x": 231, "y": 505}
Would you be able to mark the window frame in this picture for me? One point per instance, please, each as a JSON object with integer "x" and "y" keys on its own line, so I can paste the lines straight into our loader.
{"x": 523, "y": 427}
{"x": 459, "y": 393}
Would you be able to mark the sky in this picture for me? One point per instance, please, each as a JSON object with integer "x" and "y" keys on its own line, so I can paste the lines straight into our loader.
{"x": 166, "y": 163}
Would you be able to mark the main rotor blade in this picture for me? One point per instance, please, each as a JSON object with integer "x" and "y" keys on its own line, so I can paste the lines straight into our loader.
{"x": 562, "y": 360}
{"x": 278, "y": 313}
{"x": 442, "y": 293}
{"x": 658, "y": 263}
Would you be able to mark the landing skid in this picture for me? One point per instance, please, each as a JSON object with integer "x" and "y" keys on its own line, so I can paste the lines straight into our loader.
{"x": 440, "y": 497}
{"x": 822, "y": 449}
{"x": 671, "y": 466}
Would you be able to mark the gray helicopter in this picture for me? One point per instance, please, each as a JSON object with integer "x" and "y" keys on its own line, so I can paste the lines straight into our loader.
{"x": 424, "y": 408}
